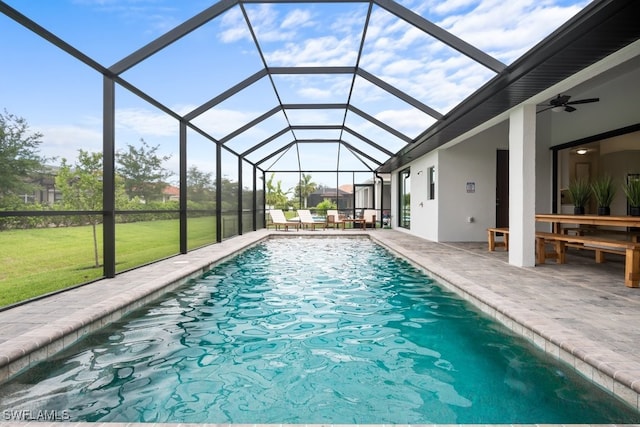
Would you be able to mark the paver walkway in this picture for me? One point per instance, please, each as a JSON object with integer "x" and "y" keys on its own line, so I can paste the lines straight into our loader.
{"x": 580, "y": 311}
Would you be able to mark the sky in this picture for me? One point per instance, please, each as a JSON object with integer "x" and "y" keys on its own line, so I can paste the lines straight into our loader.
{"x": 61, "y": 97}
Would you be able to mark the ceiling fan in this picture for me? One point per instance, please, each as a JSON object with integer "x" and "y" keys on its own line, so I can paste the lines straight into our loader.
{"x": 562, "y": 103}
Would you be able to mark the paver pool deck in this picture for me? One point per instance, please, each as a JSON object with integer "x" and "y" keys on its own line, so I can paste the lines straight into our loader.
{"x": 580, "y": 312}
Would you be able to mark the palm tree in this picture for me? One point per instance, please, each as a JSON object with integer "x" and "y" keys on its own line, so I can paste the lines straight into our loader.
{"x": 305, "y": 188}
{"x": 275, "y": 196}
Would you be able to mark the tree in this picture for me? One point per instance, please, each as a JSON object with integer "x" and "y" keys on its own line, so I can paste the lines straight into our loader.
{"x": 304, "y": 189}
{"x": 229, "y": 194}
{"x": 142, "y": 170}
{"x": 200, "y": 186}
{"x": 81, "y": 188}
{"x": 323, "y": 206}
{"x": 19, "y": 157}
{"x": 276, "y": 197}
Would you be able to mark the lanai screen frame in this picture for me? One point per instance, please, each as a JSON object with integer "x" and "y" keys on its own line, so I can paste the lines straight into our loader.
{"x": 112, "y": 78}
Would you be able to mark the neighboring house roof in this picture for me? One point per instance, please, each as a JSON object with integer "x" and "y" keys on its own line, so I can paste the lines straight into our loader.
{"x": 170, "y": 190}
{"x": 347, "y": 188}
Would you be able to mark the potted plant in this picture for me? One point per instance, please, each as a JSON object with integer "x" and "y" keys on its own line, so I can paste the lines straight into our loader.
{"x": 632, "y": 190}
{"x": 603, "y": 191}
{"x": 580, "y": 193}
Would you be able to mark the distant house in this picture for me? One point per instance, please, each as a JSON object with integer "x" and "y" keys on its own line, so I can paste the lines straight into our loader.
{"x": 342, "y": 197}
{"x": 45, "y": 191}
{"x": 170, "y": 194}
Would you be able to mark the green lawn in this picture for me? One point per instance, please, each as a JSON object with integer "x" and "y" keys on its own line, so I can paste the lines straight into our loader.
{"x": 38, "y": 261}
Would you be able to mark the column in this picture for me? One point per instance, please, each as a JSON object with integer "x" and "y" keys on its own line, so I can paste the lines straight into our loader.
{"x": 522, "y": 186}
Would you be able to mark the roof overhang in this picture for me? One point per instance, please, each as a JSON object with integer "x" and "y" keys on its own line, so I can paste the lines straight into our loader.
{"x": 598, "y": 31}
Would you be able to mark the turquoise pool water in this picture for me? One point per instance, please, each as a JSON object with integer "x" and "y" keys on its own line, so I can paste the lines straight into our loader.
{"x": 310, "y": 331}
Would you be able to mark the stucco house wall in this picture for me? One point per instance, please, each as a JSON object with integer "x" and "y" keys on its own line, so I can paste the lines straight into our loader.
{"x": 467, "y": 191}
{"x": 473, "y": 160}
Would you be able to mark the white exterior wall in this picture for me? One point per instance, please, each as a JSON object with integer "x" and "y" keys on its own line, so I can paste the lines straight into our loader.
{"x": 445, "y": 219}
{"x": 424, "y": 212}
{"x": 473, "y": 161}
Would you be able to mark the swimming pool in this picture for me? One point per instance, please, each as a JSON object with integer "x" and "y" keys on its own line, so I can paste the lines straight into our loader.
{"x": 311, "y": 331}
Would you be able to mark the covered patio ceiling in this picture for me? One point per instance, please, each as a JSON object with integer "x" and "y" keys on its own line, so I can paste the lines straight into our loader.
{"x": 333, "y": 85}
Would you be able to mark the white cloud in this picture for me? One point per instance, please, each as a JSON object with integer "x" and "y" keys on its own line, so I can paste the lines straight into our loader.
{"x": 351, "y": 23}
{"x": 315, "y": 93}
{"x": 410, "y": 122}
{"x": 403, "y": 67}
{"x": 374, "y": 133}
{"x": 145, "y": 122}
{"x": 265, "y": 21}
{"x": 508, "y": 28}
{"x": 325, "y": 51}
{"x": 297, "y": 19}
{"x": 221, "y": 122}
{"x": 307, "y": 117}
{"x": 157, "y": 15}
{"x": 436, "y": 74}
{"x": 64, "y": 141}
{"x": 450, "y": 6}
{"x": 233, "y": 26}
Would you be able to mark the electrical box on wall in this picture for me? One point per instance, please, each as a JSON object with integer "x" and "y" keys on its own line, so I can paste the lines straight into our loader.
{"x": 471, "y": 187}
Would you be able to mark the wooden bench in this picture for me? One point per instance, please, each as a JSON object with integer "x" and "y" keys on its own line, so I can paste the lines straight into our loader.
{"x": 632, "y": 235}
{"x": 631, "y": 251}
{"x": 491, "y": 237}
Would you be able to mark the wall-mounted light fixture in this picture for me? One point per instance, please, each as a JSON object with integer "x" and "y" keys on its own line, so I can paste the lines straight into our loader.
{"x": 582, "y": 151}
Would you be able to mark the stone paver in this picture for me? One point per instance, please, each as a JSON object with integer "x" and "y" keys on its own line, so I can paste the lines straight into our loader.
{"x": 580, "y": 312}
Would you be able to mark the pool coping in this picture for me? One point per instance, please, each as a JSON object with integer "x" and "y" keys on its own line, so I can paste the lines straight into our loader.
{"x": 603, "y": 367}
{"x": 41, "y": 342}
{"x": 138, "y": 287}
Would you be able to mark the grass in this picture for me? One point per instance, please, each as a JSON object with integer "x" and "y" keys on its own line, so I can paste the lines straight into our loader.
{"x": 39, "y": 261}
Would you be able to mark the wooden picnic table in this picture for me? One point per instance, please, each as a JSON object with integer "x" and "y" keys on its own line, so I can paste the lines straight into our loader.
{"x": 602, "y": 220}
{"x": 559, "y": 239}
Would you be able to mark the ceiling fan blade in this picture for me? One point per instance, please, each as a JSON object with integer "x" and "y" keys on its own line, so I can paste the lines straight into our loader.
{"x": 545, "y": 109}
{"x": 583, "y": 101}
{"x": 559, "y": 100}
{"x": 569, "y": 109}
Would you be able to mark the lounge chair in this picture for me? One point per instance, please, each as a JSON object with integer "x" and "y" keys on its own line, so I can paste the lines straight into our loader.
{"x": 369, "y": 216}
{"x": 306, "y": 219}
{"x": 278, "y": 219}
{"x": 334, "y": 219}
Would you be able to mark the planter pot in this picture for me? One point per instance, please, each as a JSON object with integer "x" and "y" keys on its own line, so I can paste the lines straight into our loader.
{"x": 634, "y": 211}
{"x": 604, "y": 210}
{"x": 578, "y": 210}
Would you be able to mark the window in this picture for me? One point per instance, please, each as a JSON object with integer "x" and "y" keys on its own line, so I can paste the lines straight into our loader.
{"x": 404, "y": 220}
{"x": 431, "y": 177}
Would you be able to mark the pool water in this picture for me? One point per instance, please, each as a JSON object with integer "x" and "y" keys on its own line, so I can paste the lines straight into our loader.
{"x": 311, "y": 331}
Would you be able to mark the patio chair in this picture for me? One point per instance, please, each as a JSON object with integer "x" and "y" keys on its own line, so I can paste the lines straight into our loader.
{"x": 306, "y": 219}
{"x": 334, "y": 219}
{"x": 278, "y": 219}
{"x": 369, "y": 216}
